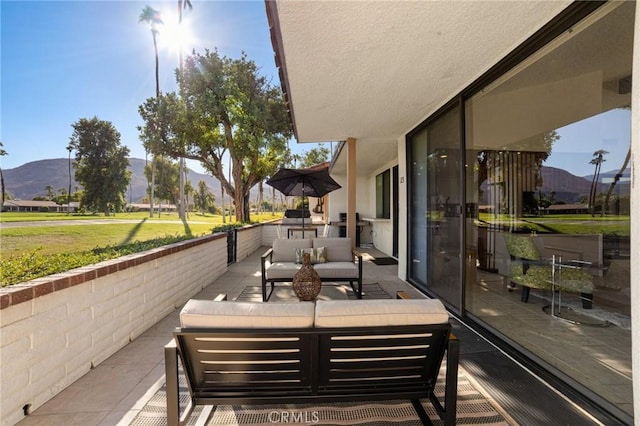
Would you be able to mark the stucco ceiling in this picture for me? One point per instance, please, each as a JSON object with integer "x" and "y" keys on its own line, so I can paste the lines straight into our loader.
{"x": 373, "y": 70}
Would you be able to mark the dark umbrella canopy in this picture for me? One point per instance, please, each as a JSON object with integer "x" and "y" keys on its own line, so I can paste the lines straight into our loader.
{"x": 304, "y": 183}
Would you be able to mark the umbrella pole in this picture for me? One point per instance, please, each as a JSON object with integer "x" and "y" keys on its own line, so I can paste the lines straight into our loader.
{"x": 302, "y": 212}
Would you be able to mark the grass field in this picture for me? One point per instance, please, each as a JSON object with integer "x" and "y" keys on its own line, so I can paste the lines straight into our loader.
{"x": 120, "y": 229}
{"x": 565, "y": 223}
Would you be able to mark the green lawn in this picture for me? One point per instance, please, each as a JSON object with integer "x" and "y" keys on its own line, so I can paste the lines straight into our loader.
{"x": 565, "y": 223}
{"x": 36, "y": 250}
{"x": 49, "y": 239}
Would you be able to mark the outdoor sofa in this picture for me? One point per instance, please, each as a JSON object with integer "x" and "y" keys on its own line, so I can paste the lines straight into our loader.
{"x": 312, "y": 352}
{"x": 341, "y": 263}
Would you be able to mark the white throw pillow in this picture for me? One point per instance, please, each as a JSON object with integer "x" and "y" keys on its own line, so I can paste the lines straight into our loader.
{"x": 317, "y": 255}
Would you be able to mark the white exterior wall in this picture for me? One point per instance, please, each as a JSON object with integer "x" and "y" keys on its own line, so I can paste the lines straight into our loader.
{"x": 380, "y": 230}
{"x": 249, "y": 240}
{"x": 50, "y": 341}
{"x": 635, "y": 215}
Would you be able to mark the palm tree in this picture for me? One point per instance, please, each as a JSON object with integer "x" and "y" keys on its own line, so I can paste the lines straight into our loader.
{"x": 50, "y": 192}
{"x": 152, "y": 17}
{"x": 182, "y": 5}
{"x": 69, "y": 148}
{"x": 616, "y": 178}
{"x": 597, "y": 160}
{"x": 2, "y": 154}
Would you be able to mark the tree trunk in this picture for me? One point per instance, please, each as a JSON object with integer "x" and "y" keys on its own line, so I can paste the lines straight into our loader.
{"x": 224, "y": 213}
{"x": 238, "y": 184}
{"x": 2, "y": 193}
{"x": 239, "y": 205}
{"x": 247, "y": 209}
{"x": 592, "y": 192}
{"x": 616, "y": 179}
{"x": 594, "y": 189}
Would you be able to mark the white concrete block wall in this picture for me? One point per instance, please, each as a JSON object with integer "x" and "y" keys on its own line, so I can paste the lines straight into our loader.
{"x": 269, "y": 233}
{"x": 50, "y": 341}
{"x": 249, "y": 240}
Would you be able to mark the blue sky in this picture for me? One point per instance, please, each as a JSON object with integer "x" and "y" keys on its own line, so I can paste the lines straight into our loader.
{"x": 66, "y": 60}
{"x": 610, "y": 131}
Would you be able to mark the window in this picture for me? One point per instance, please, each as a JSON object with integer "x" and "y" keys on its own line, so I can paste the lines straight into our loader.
{"x": 383, "y": 195}
{"x": 547, "y": 160}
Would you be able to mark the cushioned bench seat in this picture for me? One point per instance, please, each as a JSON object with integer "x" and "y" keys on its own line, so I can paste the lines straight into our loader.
{"x": 306, "y": 352}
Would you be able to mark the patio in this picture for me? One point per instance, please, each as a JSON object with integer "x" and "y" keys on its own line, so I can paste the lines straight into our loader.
{"x": 116, "y": 390}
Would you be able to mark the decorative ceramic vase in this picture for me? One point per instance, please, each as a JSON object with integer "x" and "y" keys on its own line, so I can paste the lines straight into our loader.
{"x": 306, "y": 282}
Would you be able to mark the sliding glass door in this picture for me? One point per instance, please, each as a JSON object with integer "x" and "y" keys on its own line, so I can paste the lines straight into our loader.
{"x": 435, "y": 253}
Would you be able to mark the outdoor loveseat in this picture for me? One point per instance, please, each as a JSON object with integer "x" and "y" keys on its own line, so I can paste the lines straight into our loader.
{"x": 312, "y": 352}
{"x": 341, "y": 263}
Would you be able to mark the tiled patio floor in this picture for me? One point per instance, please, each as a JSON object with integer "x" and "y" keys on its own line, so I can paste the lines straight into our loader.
{"x": 114, "y": 392}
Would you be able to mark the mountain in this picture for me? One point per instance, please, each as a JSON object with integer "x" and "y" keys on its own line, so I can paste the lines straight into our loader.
{"x": 31, "y": 179}
{"x": 568, "y": 187}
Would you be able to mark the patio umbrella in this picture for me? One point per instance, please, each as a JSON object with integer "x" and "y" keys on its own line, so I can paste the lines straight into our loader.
{"x": 312, "y": 182}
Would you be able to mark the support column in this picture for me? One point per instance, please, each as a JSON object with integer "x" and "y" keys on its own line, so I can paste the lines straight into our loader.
{"x": 351, "y": 190}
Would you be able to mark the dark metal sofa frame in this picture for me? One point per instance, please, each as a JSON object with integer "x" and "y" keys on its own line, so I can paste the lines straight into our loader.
{"x": 270, "y": 366}
{"x": 268, "y": 256}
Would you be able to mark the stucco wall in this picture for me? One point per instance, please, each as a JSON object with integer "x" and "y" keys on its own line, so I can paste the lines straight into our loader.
{"x": 54, "y": 330}
{"x": 635, "y": 224}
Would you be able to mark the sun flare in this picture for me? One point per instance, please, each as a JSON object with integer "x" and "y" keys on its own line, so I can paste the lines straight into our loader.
{"x": 174, "y": 36}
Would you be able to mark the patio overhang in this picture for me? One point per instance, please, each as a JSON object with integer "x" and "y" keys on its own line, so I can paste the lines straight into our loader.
{"x": 374, "y": 70}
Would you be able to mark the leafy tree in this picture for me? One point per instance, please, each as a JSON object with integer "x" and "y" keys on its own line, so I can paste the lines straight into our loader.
{"x": 315, "y": 156}
{"x": 167, "y": 178}
{"x": 50, "y": 192}
{"x": 203, "y": 198}
{"x": 101, "y": 164}
{"x": 223, "y": 106}
{"x": 3, "y": 152}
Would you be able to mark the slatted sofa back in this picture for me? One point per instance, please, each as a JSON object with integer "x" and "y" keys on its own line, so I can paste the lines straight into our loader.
{"x": 249, "y": 363}
{"x": 330, "y": 351}
{"x": 386, "y": 361}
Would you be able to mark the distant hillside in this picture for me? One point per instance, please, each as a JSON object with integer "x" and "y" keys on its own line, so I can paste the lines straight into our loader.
{"x": 31, "y": 179}
{"x": 568, "y": 187}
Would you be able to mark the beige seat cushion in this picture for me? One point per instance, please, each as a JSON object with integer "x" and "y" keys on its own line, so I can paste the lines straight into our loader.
{"x": 383, "y": 312}
{"x": 337, "y": 270}
{"x": 231, "y": 314}
{"x": 337, "y": 249}
{"x": 284, "y": 250}
{"x": 282, "y": 270}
